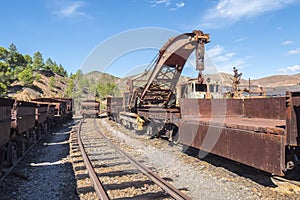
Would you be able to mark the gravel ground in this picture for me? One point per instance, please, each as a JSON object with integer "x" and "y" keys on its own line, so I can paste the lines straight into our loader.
{"x": 210, "y": 178}
{"x": 45, "y": 172}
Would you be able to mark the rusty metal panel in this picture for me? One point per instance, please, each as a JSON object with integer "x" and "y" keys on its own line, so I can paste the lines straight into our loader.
{"x": 293, "y": 118}
{"x": 114, "y": 104}
{"x": 5, "y": 131}
{"x": 259, "y": 125}
{"x": 159, "y": 113}
{"x": 25, "y": 116}
{"x": 259, "y": 150}
{"x": 41, "y": 113}
{"x": 5, "y": 119}
{"x": 271, "y": 108}
{"x": 90, "y": 107}
{"x": 51, "y": 111}
{"x": 207, "y": 107}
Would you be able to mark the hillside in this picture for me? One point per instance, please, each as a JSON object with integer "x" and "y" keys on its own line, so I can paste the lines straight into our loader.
{"x": 49, "y": 85}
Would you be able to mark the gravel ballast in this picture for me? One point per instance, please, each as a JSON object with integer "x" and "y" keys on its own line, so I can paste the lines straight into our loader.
{"x": 209, "y": 178}
{"x": 45, "y": 172}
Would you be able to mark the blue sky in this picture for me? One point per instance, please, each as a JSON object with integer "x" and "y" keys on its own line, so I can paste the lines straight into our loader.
{"x": 260, "y": 37}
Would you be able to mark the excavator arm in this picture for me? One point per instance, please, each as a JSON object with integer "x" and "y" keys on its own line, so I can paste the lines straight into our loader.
{"x": 168, "y": 67}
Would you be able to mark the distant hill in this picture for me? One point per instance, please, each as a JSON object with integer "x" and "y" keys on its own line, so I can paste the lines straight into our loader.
{"x": 274, "y": 85}
{"x": 278, "y": 80}
{"x": 101, "y": 77}
{"x": 277, "y": 84}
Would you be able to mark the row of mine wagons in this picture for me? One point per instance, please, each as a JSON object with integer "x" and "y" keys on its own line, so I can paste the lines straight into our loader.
{"x": 22, "y": 116}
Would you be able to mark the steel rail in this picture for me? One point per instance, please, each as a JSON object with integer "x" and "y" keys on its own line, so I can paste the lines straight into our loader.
{"x": 96, "y": 182}
{"x": 166, "y": 186}
{"x": 282, "y": 179}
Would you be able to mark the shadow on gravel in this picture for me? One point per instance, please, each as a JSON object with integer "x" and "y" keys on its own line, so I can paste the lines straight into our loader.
{"x": 45, "y": 172}
{"x": 118, "y": 173}
{"x": 85, "y": 190}
{"x": 129, "y": 184}
{"x": 237, "y": 169}
{"x": 156, "y": 195}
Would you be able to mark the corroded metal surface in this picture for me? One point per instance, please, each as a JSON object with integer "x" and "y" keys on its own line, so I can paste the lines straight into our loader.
{"x": 51, "y": 111}
{"x": 239, "y": 130}
{"x": 271, "y": 108}
{"x": 159, "y": 113}
{"x": 293, "y": 118}
{"x": 262, "y": 151}
{"x": 90, "y": 107}
{"x": 41, "y": 113}
{"x": 24, "y": 116}
{"x": 5, "y": 119}
{"x": 258, "y": 125}
{"x": 114, "y": 105}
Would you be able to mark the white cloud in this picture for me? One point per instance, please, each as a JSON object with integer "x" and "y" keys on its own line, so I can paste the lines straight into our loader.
{"x": 240, "y": 39}
{"x": 223, "y": 59}
{"x": 288, "y": 70}
{"x": 67, "y": 9}
{"x": 167, "y": 3}
{"x": 160, "y": 2}
{"x": 227, "y": 12}
{"x": 287, "y": 42}
{"x": 294, "y": 51}
{"x": 178, "y": 6}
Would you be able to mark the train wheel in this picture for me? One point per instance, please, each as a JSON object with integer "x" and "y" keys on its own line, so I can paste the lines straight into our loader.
{"x": 149, "y": 130}
{"x": 12, "y": 154}
{"x": 131, "y": 125}
{"x": 23, "y": 148}
{"x": 153, "y": 131}
{"x": 45, "y": 130}
{"x": 2, "y": 153}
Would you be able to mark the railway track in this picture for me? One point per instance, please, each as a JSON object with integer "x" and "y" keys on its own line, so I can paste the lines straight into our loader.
{"x": 114, "y": 173}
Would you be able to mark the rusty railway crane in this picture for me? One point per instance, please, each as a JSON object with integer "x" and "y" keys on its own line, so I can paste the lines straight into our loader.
{"x": 152, "y": 106}
{"x": 172, "y": 57}
{"x": 259, "y": 132}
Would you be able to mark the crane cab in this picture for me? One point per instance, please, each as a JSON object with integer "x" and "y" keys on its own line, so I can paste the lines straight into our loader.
{"x": 194, "y": 89}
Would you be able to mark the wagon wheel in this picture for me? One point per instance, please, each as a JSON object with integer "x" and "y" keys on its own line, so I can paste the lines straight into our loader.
{"x": 45, "y": 129}
{"x": 34, "y": 135}
{"x": 23, "y": 148}
{"x": 131, "y": 125}
{"x": 128, "y": 125}
{"x": 2, "y": 153}
{"x": 152, "y": 130}
{"x": 12, "y": 154}
{"x": 149, "y": 130}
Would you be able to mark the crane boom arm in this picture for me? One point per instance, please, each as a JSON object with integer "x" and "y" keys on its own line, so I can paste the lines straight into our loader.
{"x": 168, "y": 67}
{"x": 172, "y": 58}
